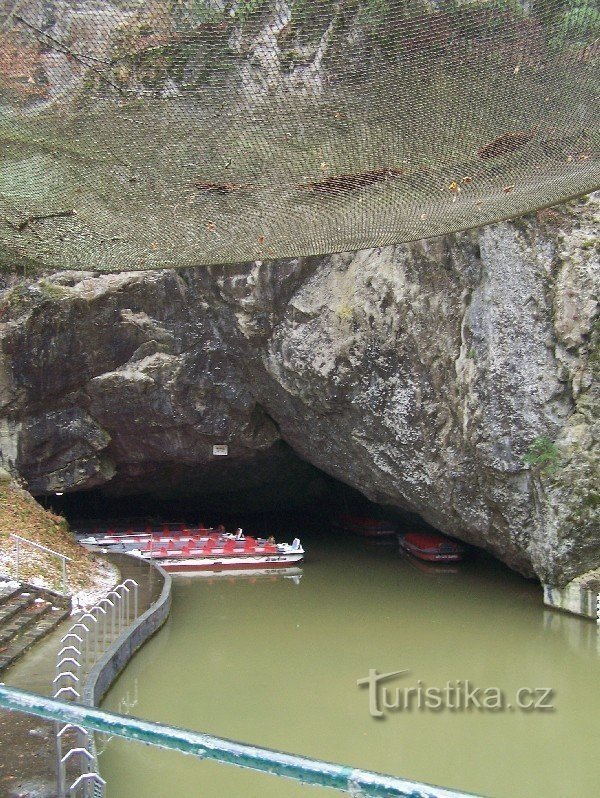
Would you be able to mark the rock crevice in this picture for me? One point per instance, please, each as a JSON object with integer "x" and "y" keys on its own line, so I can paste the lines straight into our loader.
{"x": 424, "y": 375}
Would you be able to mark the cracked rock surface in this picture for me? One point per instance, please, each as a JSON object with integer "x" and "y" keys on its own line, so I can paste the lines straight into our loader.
{"x": 421, "y": 374}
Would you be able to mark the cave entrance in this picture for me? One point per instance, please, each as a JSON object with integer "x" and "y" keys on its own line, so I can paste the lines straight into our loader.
{"x": 295, "y": 497}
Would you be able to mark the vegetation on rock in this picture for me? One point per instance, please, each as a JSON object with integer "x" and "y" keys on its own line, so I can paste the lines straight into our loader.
{"x": 543, "y": 456}
{"x": 21, "y": 514}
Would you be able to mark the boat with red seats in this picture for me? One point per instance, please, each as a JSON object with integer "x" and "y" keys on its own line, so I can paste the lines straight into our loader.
{"x": 111, "y": 537}
{"x": 431, "y": 546}
{"x": 196, "y": 552}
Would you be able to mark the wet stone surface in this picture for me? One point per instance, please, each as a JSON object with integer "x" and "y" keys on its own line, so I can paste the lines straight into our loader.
{"x": 26, "y": 757}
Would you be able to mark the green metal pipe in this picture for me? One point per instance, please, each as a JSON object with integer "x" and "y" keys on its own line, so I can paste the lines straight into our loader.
{"x": 361, "y": 783}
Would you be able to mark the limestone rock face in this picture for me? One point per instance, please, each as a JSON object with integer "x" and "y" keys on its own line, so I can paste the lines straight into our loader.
{"x": 456, "y": 378}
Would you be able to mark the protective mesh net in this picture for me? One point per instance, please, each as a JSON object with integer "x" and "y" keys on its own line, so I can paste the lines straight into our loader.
{"x": 183, "y": 132}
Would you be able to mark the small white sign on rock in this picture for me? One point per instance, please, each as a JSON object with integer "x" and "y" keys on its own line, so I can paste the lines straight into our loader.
{"x": 220, "y": 449}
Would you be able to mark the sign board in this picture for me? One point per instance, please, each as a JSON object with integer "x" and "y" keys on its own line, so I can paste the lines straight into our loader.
{"x": 220, "y": 449}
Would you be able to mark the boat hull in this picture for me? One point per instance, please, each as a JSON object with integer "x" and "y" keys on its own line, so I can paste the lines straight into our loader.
{"x": 180, "y": 565}
{"x": 250, "y": 574}
{"x": 432, "y": 548}
{"x": 199, "y": 553}
{"x": 430, "y": 556}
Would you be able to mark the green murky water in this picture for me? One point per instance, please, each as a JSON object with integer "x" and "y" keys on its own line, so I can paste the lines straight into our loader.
{"x": 275, "y": 662}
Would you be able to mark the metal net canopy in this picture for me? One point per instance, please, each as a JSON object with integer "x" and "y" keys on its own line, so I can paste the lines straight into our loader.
{"x": 184, "y": 132}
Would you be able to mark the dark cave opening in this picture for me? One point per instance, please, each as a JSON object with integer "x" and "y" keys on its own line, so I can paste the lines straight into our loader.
{"x": 302, "y": 497}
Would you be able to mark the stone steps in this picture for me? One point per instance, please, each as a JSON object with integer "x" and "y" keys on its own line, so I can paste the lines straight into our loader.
{"x": 24, "y": 618}
{"x": 13, "y": 606}
{"x": 27, "y": 614}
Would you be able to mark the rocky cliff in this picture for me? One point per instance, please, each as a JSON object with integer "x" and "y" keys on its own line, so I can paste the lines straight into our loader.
{"x": 456, "y": 378}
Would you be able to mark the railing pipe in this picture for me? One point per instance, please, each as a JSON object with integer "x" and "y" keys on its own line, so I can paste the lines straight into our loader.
{"x": 106, "y": 600}
{"x": 64, "y": 675}
{"x": 115, "y": 608}
{"x": 71, "y": 690}
{"x": 95, "y": 629}
{"x": 87, "y": 779}
{"x": 98, "y": 608}
{"x": 125, "y": 601}
{"x": 69, "y": 660}
{"x": 62, "y": 557}
{"x": 82, "y": 752}
{"x": 69, "y": 635}
{"x": 365, "y": 783}
{"x": 86, "y": 762}
{"x": 82, "y": 733}
{"x": 60, "y": 770}
{"x": 120, "y": 606}
{"x": 64, "y": 650}
{"x": 85, "y": 639}
{"x": 135, "y": 588}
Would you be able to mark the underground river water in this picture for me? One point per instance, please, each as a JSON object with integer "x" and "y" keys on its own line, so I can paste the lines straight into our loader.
{"x": 275, "y": 662}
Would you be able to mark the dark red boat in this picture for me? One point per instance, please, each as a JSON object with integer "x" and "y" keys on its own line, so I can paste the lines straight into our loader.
{"x": 432, "y": 546}
{"x": 365, "y": 526}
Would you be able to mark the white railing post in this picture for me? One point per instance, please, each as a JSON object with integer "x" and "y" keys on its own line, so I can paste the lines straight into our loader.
{"x": 106, "y": 600}
{"x": 134, "y": 586}
{"x": 88, "y": 783}
{"x": 123, "y": 592}
{"x": 86, "y": 762}
{"x": 98, "y": 608}
{"x": 86, "y": 639}
{"x": 115, "y": 607}
{"x": 95, "y": 628}
{"x": 91, "y": 779}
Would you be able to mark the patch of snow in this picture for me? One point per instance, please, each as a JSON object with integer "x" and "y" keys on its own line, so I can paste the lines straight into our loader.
{"x": 105, "y": 579}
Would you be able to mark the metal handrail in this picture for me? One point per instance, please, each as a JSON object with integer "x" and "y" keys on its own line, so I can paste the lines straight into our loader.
{"x": 62, "y": 557}
{"x": 298, "y": 768}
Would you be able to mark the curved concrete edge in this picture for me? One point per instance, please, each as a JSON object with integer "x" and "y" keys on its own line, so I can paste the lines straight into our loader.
{"x": 112, "y": 662}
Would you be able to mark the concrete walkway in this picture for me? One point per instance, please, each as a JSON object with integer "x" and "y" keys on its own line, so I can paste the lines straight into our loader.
{"x": 27, "y": 768}
{"x": 27, "y": 748}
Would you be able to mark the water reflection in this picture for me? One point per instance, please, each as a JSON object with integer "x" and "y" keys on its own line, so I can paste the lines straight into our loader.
{"x": 276, "y": 662}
